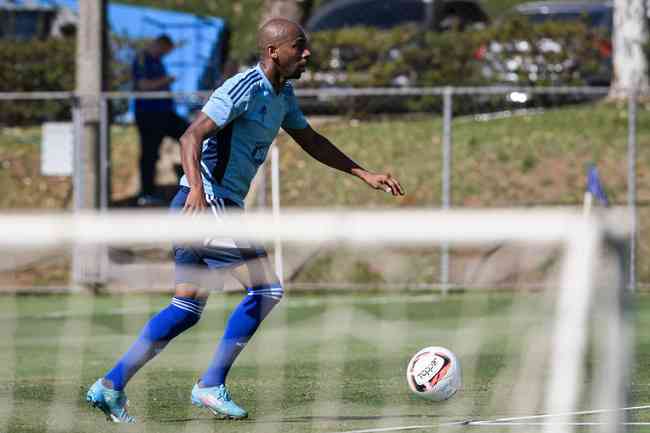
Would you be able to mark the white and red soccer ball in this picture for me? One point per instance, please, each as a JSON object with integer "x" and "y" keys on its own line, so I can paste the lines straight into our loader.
{"x": 434, "y": 373}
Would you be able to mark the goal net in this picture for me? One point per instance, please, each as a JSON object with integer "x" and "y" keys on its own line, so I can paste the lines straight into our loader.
{"x": 555, "y": 357}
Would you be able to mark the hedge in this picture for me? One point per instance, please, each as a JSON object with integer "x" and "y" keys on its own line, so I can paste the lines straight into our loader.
{"x": 370, "y": 57}
{"x": 36, "y": 66}
{"x": 367, "y": 57}
{"x": 33, "y": 66}
{"x": 358, "y": 57}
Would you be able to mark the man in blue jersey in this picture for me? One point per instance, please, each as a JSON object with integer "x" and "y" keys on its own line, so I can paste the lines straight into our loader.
{"x": 221, "y": 152}
{"x": 155, "y": 118}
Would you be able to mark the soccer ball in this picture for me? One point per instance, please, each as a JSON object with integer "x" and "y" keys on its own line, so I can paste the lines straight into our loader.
{"x": 434, "y": 373}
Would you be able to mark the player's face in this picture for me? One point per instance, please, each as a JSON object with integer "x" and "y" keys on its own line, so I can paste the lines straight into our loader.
{"x": 293, "y": 55}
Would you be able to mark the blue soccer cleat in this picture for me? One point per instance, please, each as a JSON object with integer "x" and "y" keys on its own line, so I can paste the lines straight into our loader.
{"x": 112, "y": 403}
{"x": 217, "y": 399}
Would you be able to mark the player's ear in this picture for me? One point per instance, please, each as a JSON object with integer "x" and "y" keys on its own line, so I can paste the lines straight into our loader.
{"x": 272, "y": 52}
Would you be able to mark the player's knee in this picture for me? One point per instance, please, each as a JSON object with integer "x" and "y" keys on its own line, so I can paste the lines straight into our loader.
{"x": 180, "y": 315}
{"x": 277, "y": 292}
{"x": 189, "y": 311}
{"x": 272, "y": 293}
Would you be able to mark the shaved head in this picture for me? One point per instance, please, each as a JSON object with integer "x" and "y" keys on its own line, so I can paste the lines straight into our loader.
{"x": 277, "y": 31}
{"x": 283, "y": 50}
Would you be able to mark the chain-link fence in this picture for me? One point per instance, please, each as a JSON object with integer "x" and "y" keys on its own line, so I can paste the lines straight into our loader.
{"x": 450, "y": 147}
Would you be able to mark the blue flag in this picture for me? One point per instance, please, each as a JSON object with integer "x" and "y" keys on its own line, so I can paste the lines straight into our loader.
{"x": 595, "y": 187}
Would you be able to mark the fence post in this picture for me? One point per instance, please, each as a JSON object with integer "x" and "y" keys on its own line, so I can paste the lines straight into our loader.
{"x": 88, "y": 262}
{"x": 91, "y": 35}
{"x": 631, "y": 183}
{"x": 78, "y": 183}
{"x": 104, "y": 155}
{"x": 104, "y": 182}
{"x": 446, "y": 179}
{"x": 275, "y": 196}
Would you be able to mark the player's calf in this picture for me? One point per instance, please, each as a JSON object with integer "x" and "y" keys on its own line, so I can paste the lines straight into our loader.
{"x": 180, "y": 315}
{"x": 241, "y": 325}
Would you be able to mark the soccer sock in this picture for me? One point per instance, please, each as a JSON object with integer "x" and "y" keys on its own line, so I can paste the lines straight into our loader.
{"x": 241, "y": 326}
{"x": 180, "y": 315}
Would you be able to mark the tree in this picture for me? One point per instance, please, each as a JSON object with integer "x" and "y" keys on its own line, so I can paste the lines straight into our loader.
{"x": 281, "y": 8}
{"x": 629, "y": 38}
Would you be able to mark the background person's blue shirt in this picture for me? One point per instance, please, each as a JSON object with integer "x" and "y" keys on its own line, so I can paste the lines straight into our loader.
{"x": 148, "y": 67}
{"x": 249, "y": 114}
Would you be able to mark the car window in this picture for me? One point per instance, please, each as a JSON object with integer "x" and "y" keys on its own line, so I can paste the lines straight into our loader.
{"x": 20, "y": 25}
{"x": 373, "y": 13}
{"x": 593, "y": 19}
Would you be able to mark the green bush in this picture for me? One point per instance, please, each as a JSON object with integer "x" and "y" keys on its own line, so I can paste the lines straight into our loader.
{"x": 364, "y": 57}
{"x": 36, "y": 66}
{"x": 370, "y": 57}
{"x": 47, "y": 66}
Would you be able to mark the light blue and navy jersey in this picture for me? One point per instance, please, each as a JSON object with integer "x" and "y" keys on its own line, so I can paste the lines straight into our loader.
{"x": 249, "y": 114}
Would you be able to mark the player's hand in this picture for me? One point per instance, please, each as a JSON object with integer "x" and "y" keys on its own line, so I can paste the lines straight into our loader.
{"x": 384, "y": 182}
{"x": 195, "y": 202}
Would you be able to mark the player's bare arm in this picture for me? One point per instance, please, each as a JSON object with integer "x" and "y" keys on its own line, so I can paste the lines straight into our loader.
{"x": 324, "y": 151}
{"x": 191, "y": 142}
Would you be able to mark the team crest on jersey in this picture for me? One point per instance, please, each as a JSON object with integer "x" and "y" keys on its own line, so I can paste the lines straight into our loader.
{"x": 259, "y": 153}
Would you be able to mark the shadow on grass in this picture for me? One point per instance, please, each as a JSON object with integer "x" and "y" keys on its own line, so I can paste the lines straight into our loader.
{"x": 307, "y": 419}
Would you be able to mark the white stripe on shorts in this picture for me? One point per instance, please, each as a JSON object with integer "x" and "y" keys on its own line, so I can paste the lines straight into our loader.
{"x": 218, "y": 208}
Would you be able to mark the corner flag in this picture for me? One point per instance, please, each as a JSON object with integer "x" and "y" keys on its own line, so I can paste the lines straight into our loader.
{"x": 595, "y": 187}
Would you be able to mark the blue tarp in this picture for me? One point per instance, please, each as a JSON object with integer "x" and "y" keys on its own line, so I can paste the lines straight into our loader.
{"x": 27, "y": 5}
{"x": 197, "y": 60}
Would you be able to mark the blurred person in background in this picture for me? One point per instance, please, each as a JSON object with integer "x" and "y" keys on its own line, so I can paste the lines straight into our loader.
{"x": 155, "y": 118}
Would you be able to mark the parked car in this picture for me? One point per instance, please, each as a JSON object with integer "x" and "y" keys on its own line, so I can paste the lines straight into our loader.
{"x": 438, "y": 15}
{"x": 550, "y": 61}
{"x": 596, "y": 14}
{"x": 525, "y": 62}
{"x": 343, "y": 62}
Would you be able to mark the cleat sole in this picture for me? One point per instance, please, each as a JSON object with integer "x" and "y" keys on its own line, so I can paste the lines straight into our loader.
{"x": 216, "y": 413}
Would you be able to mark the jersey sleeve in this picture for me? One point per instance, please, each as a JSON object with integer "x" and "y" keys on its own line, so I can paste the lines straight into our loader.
{"x": 221, "y": 107}
{"x": 293, "y": 119}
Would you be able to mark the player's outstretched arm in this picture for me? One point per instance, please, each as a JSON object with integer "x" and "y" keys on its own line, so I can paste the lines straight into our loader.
{"x": 191, "y": 142}
{"x": 321, "y": 149}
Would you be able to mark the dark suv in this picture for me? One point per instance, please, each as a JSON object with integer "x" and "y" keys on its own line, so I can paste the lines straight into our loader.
{"x": 436, "y": 15}
{"x": 596, "y": 14}
{"x": 386, "y": 14}
{"x": 414, "y": 16}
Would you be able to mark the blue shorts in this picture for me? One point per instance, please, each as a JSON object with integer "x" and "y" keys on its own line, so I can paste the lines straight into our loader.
{"x": 192, "y": 261}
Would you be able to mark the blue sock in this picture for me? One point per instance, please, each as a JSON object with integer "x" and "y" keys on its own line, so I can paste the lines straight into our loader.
{"x": 241, "y": 326}
{"x": 180, "y": 315}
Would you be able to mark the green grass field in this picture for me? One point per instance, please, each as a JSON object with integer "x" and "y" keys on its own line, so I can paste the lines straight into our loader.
{"x": 321, "y": 363}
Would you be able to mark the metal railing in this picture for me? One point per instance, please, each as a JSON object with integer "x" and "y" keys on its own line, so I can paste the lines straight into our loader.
{"x": 447, "y": 94}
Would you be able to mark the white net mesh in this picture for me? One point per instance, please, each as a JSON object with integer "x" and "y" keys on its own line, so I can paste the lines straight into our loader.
{"x": 533, "y": 359}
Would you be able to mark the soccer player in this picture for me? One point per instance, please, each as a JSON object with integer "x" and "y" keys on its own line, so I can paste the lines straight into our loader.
{"x": 221, "y": 152}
